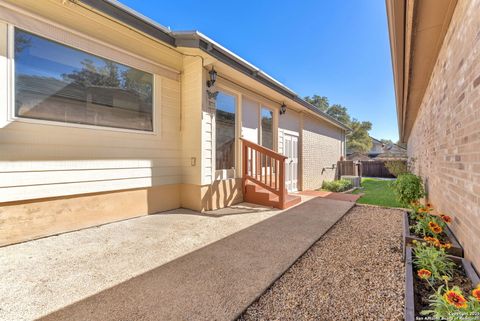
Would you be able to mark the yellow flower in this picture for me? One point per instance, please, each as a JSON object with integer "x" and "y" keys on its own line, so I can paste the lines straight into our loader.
{"x": 456, "y": 299}
{"x": 434, "y": 227}
{"x": 424, "y": 273}
{"x": 476, "y": 293}
{"x": 447, "y": 245}
{"x": 432, "y": 240}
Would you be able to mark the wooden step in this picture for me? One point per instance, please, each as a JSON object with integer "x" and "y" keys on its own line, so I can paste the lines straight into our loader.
{"x": 258, "y": 195}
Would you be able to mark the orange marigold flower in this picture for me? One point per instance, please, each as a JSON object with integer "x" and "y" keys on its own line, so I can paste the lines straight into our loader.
{"x": 432, "y": 240}
{"x": 447, "y": 245}
{"x": 456, "y": 299}
{"x": 424, "y": 273}
{"x": 446, "y": 218}
{"x": 434, "y": 227}
{"x": 422, "y": 210}
{"x": 476, "y": 293}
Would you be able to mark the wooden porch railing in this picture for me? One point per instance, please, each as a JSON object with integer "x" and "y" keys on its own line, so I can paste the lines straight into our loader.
{"x": 264, "y": 167}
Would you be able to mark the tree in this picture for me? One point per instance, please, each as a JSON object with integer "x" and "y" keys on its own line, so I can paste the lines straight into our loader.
{"x": 321, "y": 102}
{"x": 92, "y": 75}
{"x": 387, "y": 142}
{"x": 399, "y": 143}
{"x": 358, "y": 140}
{"x": 340, "y": 113}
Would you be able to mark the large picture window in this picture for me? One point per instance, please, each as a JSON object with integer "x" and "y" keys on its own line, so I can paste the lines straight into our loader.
{"x": 58, "y": 83}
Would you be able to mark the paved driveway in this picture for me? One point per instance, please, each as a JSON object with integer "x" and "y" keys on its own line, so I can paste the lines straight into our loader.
{"x": 174, "y": 265}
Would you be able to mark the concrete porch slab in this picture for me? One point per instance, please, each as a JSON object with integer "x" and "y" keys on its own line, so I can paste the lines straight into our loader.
{"x": 44, "y": 275}
{"x": 218, "y": 281}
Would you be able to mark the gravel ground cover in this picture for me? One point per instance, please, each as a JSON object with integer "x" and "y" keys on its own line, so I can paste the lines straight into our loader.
{"x": 354, "y": 272}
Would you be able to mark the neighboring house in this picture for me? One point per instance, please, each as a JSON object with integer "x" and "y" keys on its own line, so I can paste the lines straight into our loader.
{"x": 379, "y": 151}
{"x": 107, "y": 115}
{"x": 436, "y": 61}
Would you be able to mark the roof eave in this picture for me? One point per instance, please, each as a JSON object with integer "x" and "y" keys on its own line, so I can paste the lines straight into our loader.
{"x": 195, "y": 39}
{"x": 132, "y": 18}
{"x": 417, "y": 30}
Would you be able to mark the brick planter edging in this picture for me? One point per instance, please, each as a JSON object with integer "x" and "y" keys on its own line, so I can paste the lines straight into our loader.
{"x": 409, "y": 290}
{"x": 408, "y": 237}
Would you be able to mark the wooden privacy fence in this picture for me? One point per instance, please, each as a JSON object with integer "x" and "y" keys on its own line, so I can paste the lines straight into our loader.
{"x": 372, "y": 168}
{"x": 346, "y": 168}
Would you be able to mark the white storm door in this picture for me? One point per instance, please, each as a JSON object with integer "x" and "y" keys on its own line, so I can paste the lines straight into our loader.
{"x": 290, "y": 149}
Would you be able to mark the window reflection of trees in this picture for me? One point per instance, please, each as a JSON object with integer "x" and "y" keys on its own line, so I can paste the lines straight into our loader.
{"x": 100, "y": 92}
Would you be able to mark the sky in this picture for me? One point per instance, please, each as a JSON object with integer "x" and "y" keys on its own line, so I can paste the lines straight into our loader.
{"x": 338, "y": 49}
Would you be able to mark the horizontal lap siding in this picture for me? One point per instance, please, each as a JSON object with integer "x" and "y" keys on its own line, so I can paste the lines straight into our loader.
{"x": 46, "y": 160}
{"x": 38, "y": 161}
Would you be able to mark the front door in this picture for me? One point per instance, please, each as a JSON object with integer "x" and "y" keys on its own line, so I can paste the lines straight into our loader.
{"x": 290, "y": 149}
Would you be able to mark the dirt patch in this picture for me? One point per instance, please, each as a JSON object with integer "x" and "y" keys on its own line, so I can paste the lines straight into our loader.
{"x": 354, "y": 272}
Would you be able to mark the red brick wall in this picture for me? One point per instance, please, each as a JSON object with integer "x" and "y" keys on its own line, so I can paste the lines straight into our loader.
{"x": 445, "y": 140}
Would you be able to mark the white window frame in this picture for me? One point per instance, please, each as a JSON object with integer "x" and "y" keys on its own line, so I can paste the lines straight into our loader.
{"x": 237, "y": 162}
{"x": 274, "y": 127}
{"x": 11, "y": 89}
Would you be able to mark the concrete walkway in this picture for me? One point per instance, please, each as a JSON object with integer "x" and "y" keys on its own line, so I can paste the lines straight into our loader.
{"x": 218, "y": 281}
{"x": 331, "y": 195}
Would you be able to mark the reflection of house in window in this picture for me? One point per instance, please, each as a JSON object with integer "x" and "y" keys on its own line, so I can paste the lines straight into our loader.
{"x": 111, "y": 96}
{"x": 77, "y": 87}
{"x": 52, "y": 99}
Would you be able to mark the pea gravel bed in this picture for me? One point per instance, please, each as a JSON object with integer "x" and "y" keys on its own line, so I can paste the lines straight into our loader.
{"x": 354, "y": 272}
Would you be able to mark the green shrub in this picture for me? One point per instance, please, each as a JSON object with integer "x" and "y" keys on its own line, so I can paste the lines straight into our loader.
{"x": 408, "y": 188}
{"x": 337, "y": 186}
{"x": 396, "y": 167}
{"x": 432, "y": 259}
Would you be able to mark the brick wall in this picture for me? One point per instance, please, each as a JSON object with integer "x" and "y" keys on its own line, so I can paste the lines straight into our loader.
{"x": 445, "y": 140}
{"x": 322, "y": 147}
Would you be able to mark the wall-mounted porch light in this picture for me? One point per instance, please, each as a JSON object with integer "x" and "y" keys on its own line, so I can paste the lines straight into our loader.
{"x": 213, "y": 77}
{"x": 283, "y": 109}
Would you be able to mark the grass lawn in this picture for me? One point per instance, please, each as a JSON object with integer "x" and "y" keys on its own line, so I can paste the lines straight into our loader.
{"x": 377, "y": 192}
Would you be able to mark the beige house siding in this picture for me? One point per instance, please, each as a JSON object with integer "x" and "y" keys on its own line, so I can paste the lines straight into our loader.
{"x": 208, "y": 133}
{"x": 191, "y": 120}
{"x": 57, "y": 177}
{"x": 77, "y": 19}
{"x": 445, "y": 140}
{"x": 48, "y": 171}
{"x": 321, "y": 147}
{"x": 56, "y": 159}
{"x": 290, "y": 122}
